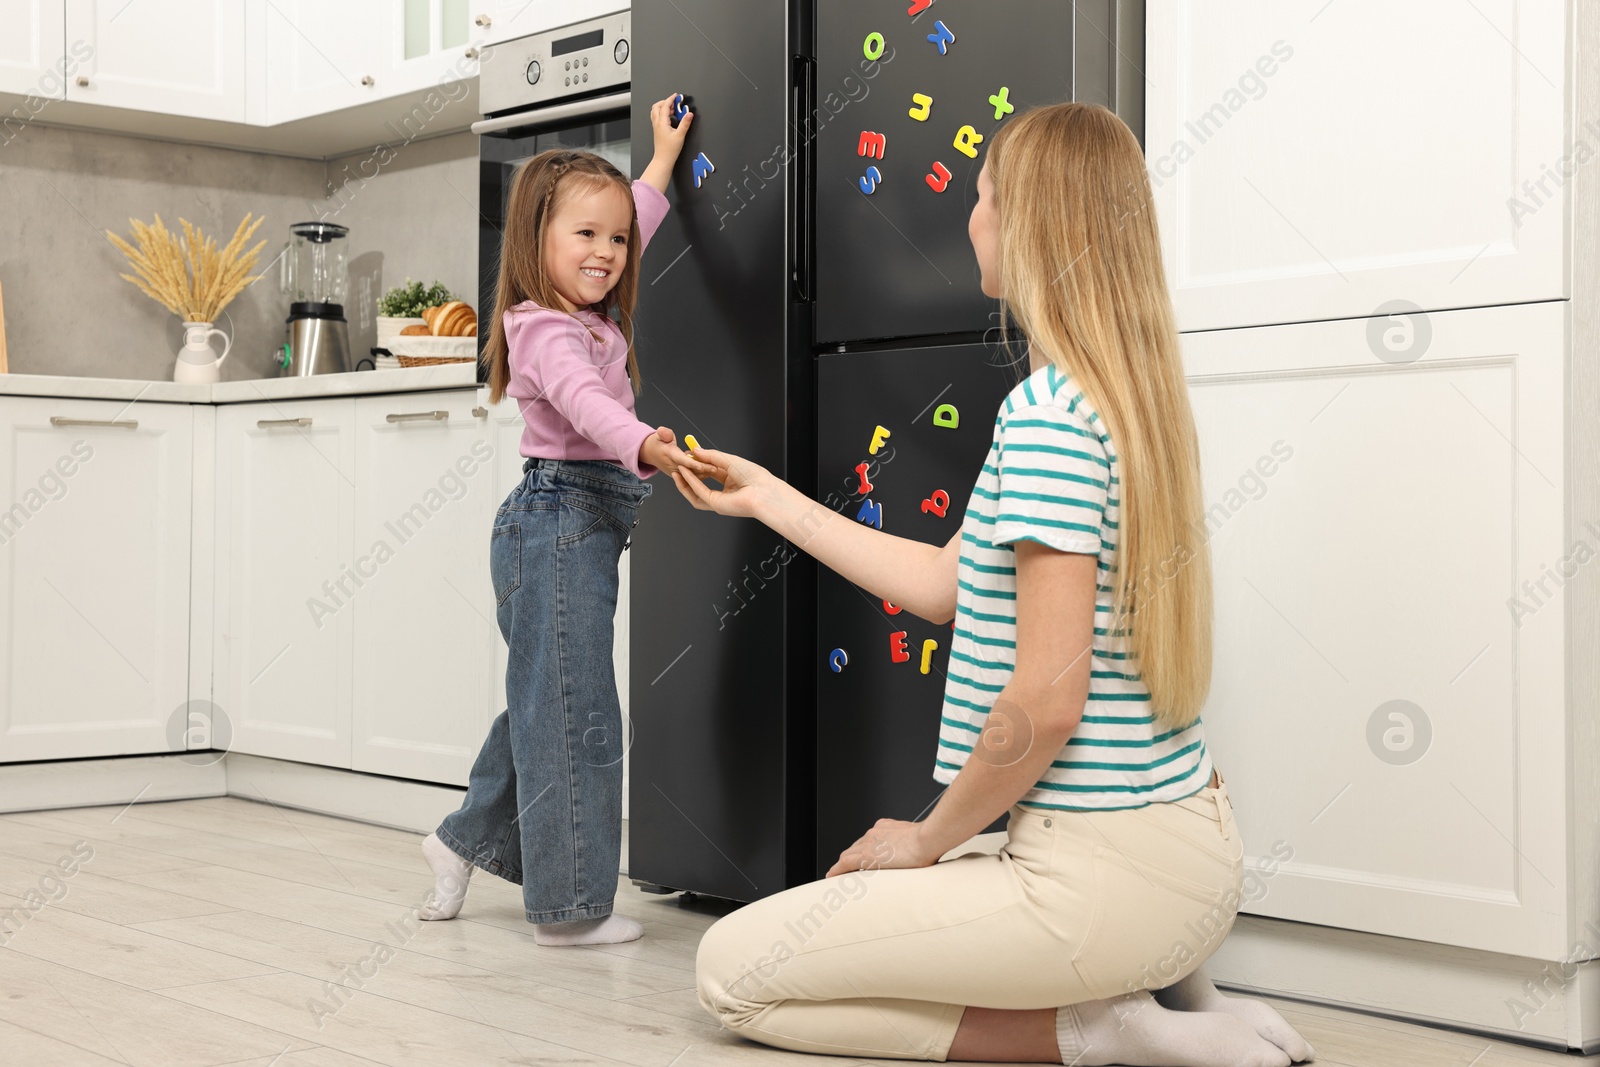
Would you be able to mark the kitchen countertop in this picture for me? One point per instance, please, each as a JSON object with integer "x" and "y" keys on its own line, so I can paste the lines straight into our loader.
{"x": 401, "y": 380}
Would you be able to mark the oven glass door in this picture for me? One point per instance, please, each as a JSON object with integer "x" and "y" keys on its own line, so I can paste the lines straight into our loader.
{"x": 499, "y": 155}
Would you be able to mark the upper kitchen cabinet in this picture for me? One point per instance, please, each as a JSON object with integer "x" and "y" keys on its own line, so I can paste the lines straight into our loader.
{"x": 94, "y": 577}
{"x": 426, "y": 41}
{"x": 1317, "y": 160}
{"x": 502, "y": 20}
{"x": 176, "y": 57}
{"x": 32, "y": 57}
{"x": 323, "y": 56}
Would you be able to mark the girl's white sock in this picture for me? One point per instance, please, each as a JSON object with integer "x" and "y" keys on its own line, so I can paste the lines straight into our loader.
{"x": 1197, "y": 993}
{"x": 611, "y": 930}
{"x": 451, "y": 875}
{"x": 1136, "y": 1031}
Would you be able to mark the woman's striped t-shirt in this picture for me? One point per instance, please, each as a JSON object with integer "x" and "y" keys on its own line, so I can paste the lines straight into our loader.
{"x": 1051, "y": 477}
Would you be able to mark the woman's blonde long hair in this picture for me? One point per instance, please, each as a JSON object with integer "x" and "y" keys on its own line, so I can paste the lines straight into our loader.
{"x": 536, "y": 189}
{"x": 1081, "y": 274}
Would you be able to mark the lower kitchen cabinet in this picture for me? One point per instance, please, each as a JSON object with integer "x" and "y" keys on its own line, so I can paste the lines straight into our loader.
{"x": 424, "y": 609}
{"x": 94, "y": 577}
{"x": 286, "y": 485}
{"x": 1388, "y": 705}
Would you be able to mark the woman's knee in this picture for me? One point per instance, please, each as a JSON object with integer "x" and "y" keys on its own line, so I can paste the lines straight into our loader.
{"x": 729, "y": 979}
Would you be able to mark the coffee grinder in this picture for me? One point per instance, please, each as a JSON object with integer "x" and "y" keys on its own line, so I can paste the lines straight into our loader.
{"x": 313, "y": 276}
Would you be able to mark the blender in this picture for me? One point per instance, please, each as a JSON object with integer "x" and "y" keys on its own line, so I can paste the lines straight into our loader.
{"x": 312, "y": 275}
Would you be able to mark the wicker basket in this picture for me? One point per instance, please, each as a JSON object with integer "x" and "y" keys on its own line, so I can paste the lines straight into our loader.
{"x": 432, "y": 361}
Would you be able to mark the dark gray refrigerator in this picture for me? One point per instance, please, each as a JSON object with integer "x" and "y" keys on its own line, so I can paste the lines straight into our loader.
{"x": 811, "y": 302}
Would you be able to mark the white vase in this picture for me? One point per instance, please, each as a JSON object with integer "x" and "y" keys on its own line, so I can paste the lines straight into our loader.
{"x": 198, "y": 363}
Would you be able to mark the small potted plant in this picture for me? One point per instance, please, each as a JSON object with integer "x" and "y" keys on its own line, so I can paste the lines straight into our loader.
{"x": 402, "y": 306}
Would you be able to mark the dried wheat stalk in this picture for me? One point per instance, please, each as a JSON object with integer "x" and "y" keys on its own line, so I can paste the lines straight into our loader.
{"x": 188, "y": 275}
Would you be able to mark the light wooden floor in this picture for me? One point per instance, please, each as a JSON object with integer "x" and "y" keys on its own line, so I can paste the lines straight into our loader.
{"x": 207, "y": 932}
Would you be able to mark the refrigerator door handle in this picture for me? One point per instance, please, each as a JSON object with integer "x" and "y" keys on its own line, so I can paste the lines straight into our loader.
{"x": 802, "y": 95}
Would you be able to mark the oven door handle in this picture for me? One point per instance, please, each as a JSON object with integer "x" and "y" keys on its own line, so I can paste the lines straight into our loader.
{"x": 541, "y": 116}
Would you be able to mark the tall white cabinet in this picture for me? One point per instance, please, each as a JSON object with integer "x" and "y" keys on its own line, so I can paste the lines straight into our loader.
{"x": 94, "y": 577}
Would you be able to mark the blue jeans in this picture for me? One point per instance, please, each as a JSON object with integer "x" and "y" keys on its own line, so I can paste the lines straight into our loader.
{"x": 544, "y": 803}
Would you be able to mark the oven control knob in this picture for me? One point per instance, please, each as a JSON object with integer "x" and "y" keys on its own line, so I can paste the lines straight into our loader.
{"x": 534, "y": 70}
{"x": 621, "y": 51}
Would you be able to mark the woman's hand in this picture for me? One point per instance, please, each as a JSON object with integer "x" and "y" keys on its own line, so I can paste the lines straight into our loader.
{"x": 744, "y": 484}
{"x": 668, "y": 142}
{"x": 890, "y": 843}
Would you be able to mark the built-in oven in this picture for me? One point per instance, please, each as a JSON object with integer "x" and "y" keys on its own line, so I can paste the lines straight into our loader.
{"x": 563, "y": 88}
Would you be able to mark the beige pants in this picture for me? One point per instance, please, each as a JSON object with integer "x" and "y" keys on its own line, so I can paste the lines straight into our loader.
{"x": 1077, "y": 906}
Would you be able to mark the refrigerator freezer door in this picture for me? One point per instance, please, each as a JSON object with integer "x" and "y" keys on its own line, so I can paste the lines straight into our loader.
{"x": 710, "y": 808}
{"x": 896, "y": 261}
{"x": 878, "y": 714}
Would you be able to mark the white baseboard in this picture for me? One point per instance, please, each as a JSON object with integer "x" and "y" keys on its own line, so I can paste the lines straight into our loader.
{"x": 1507, "y": 997}
{"x": 95, "y": 782}
{"x": 395, "y": 802}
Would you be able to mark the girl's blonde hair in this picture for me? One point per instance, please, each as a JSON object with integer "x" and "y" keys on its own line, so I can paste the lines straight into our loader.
{"x": 536, "y": 190}
{"x": 1081, "y": 273}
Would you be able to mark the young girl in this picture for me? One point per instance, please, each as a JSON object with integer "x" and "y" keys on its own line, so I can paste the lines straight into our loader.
{"x": 544, "y": 802}
{"x": 1079, "y": 662}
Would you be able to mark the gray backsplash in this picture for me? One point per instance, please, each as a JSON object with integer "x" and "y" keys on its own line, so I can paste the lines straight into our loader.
{"x": 68, "y": 312}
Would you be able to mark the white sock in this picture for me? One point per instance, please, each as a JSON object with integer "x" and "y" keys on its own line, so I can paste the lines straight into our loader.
{"x": 451, "y": 874}
{"x": 614, "y": 929}
{"x": 1135, "y": 1031}
{"x": 1197, "y": 993}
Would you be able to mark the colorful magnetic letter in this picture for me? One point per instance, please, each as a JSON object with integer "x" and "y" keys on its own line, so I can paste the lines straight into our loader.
{"x": 918, "y": 7}
{"x": 967, "y": 139}
{"x": 924, "y": 104}
{"x": 871, "y": 145}
{"x": 838, "y": 658}
{"x": 871, "y": 514}
{"x": 947, "y": 416}
{"x": 866, "y": 486}
{"x": 892, "y": 609}
{"x": 939, "y": 179}
{"x": 872, "y": 47}
{"x": 869, "y": 181}
{"x": 941, "y": 36}
{"x": 690, "y": 442}
{"x": 927, "y": 653}
{"x": 938, "y": 503}
{"x": 879, "y": 436}
{"x": 679, "y": 109}
{"x": 1002, "y": 106}
{"x": 897, "y": 647}
{"x": 702, "y": 167}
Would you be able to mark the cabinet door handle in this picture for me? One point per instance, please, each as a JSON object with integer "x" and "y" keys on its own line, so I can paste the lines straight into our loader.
{"x": 127, "y": 424}
{"x": 301, "y": 421}
{"x": 412, "y": 416}
{"x": 471, "y": 53}
{"x": 368, "y": 81}
{"x": 483, "y": 20}
{"x": 479, "y": 413}
{"x": 83, "y": 81}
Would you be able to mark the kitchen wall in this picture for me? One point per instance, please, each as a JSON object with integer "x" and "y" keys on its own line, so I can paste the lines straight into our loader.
{"x": 412, "y": 210}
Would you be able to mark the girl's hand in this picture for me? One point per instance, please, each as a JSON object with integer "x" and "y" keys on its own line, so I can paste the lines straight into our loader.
{"x": 669, "y": 142}
{"x": 660, "y": 450}
{"x": 890, "y": 843}
{"x": 744, "y": 483}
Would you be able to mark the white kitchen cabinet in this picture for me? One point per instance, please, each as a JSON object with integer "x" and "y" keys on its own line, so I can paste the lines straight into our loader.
{"x": 33, "y": 57}
{"x": 322, "y": 56}
{"x": 429, "y": 42}
{"x": 1392, "y": 726}
{"x": 285, "y": 492}
{"x": 176, "y": 57}
{"x": 94, "y": 630}
{"x": 1318, "y": 160}
{"x": 503, "y": 20}
{"x": 425, "y": 629}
